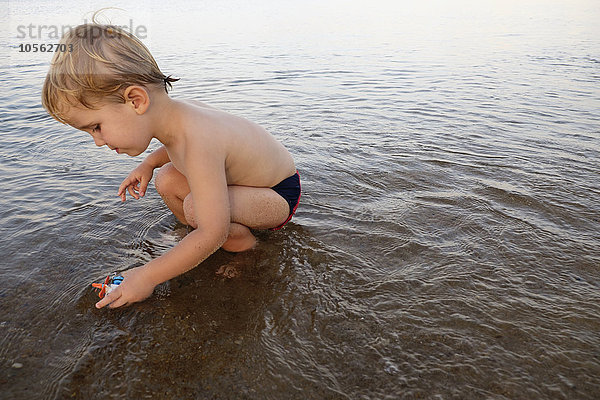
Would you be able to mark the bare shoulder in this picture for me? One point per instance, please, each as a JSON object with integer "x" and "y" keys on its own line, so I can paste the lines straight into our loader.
{"x": 200, "y": 104}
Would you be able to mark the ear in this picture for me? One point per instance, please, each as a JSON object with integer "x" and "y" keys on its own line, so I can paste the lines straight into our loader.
{"x": 138, "y": 97}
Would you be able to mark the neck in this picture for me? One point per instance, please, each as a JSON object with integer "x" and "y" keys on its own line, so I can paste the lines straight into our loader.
{"x": 164, "y": 121}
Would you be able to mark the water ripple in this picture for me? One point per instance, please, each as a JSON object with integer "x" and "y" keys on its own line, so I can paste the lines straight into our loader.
{"x": 446, "y": 245}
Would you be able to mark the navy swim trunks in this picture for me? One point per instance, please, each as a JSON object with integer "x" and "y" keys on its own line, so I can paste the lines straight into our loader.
{"x": 290, "y": 190}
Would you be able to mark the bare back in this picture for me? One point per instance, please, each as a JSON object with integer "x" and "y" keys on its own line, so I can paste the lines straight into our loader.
{"x": 252, "y": 156}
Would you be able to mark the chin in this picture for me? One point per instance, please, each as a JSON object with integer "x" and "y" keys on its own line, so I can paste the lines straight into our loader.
{"x": 133, "y": 153}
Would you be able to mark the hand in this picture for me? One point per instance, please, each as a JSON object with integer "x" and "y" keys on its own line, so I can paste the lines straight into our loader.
{"x": 136, "y": 286}
{"x": 136, "y": 182}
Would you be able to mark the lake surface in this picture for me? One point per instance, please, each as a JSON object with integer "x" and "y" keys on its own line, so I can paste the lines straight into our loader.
{"x": 447, "y": 244}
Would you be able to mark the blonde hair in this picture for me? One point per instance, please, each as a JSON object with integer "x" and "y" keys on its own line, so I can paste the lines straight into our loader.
{"x": 98, "y": 64}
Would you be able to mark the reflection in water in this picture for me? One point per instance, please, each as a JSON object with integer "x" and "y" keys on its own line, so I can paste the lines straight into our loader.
{"x": 446, "y": 244}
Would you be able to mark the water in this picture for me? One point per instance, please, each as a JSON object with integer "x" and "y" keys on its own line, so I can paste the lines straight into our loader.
{"x": 446, "y": 246}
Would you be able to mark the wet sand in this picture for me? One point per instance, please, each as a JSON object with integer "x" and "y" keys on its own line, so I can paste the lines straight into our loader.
{"x": 446, "y": 245}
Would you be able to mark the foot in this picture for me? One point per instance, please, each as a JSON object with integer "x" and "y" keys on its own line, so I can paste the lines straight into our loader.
{"x": 240, "y": 245}
{"x": 240, "y": 239}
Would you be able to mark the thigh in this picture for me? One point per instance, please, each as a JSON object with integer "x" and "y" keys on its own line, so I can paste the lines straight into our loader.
{"x": 257, "y": 208}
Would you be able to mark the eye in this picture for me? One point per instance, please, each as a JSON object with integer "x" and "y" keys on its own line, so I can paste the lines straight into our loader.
{"x": 96, "y": 128}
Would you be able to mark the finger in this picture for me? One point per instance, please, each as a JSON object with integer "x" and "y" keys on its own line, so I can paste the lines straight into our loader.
{"x": 120, "y": 302}
{"x": 126, "y": 182}
{"x": 143, "y": 186}
{"x": 132, "y": 193}
{"x": 121, "y": 194}
{"x": 125, "y": 185}
{"x": 109, "y": 298}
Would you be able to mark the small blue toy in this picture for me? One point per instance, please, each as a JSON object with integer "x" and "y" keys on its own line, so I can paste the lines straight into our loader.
{"x": 110, "y": 284}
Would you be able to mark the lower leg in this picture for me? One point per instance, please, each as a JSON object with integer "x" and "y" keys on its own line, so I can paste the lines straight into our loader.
{"x": 240, "y": 238}
{"x": 175, "y": 204}
{"x": 173, "y": 188}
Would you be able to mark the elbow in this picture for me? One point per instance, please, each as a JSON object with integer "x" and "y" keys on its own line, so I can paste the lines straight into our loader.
{"x": 214, "y": 236}
{"x": 223, "y": 235}
{"x": 221, "y": 230}
{"x": 203, "y": 242}
{"x": 209, "y": 232}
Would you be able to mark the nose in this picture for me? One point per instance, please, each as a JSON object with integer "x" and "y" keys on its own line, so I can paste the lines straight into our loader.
{"x": 99, "y": 142}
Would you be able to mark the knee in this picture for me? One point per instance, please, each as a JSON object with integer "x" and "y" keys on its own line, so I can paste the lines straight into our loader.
{"x": 164, "y": 181}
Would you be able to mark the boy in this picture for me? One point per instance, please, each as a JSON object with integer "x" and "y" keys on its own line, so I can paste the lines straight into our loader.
{"x": 220, "y": 174}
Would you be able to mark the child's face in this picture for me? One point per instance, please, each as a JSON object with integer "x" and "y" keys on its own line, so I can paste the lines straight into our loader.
{"x": 117, "y": 126}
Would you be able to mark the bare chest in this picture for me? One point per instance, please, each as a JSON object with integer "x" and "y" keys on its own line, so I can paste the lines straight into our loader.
{"x": 177, "y": 161}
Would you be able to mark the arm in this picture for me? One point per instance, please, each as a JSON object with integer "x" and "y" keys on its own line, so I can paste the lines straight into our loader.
{"x": 208, "y": 184}
{"x": 210, "y": 195}
{"x": 158, "y": 157}
{"x": 138, "y": 179}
